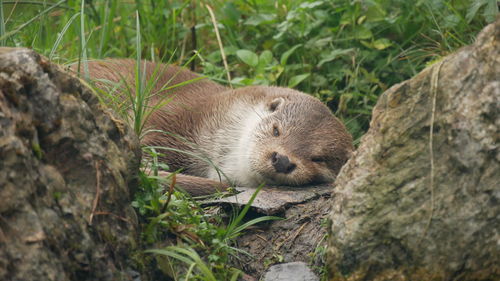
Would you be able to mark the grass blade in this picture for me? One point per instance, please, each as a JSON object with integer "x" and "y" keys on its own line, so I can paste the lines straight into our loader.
{"x": 2, "y": 25}
{"x": 20, "y": 27}
{"x": 83, "y": 41}
{"x": 61, "y": 34}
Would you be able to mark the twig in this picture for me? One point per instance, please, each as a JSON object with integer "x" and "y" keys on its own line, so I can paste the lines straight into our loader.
{"x": 97, "y": 192}
{"x": 298, "y": 231}
{"x": 261, "y": 238}
{"x": 113, "y": 215}
{"x": 3, "y": 237}
{"x": 193, "y": 34}
{"x": 292, "y": 238}
{"x": 219, "y": 41}
{"x": 433, "y": 90}
{"x": 170, "y": 191}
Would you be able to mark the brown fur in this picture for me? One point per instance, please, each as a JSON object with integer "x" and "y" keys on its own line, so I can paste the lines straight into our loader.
{"x": 211, "y": 119}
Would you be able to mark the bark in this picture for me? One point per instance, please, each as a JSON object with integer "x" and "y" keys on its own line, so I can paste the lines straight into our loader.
{"x": 65, "y": 169}
{"x": 419, "y": 199}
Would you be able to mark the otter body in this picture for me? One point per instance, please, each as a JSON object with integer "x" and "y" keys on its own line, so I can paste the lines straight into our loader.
{"x": 246, "y": 136}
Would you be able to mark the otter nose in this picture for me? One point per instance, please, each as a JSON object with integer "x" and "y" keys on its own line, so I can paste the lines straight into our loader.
{"x": 281, "y": 163}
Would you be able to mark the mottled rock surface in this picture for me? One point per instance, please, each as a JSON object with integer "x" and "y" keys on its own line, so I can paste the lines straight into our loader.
{"x": 401, "y": 212}
{"x": 65, "y": 169}
{"x": 273, "y": 200}
{"x": 292, "y": 271}
{"x": 298, "y": 237}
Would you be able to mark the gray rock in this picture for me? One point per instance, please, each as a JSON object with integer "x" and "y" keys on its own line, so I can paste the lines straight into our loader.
{"x": 401, "y": 212}
{"x": 292, "y": 271}
{"x": 300, "y": 236}
{"x": 65, "y": 171}
{"x": 272, "y": 200}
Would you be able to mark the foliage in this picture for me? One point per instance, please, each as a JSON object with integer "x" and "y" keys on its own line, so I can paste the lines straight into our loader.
{"x": 345, "y": 52}
{"x": 173, "y": 213}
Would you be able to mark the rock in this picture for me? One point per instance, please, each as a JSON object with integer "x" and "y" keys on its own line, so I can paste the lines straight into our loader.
{"x": 292, "y": 271}
{"x": 401, "y": 212}
{"x": 300, "y": 236}
{"x": 65, "y": 171}
{"x": 272, "y": 200}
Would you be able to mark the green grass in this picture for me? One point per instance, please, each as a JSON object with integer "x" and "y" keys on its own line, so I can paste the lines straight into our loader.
{"x": 344, "y": 52}
{"x": 205, "y": 242}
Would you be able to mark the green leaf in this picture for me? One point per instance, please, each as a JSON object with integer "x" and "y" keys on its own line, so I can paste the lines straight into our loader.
{"x": 238, "y": 230}
{"x": 295, "y": 80}
{"x": 231, "y": 12}
{"x": 61, "y": 34}
{"x": 491, "y": 11}
{"x": 451, "y": 21}
{"x": 381, "y": 44}
{"x": 361, "y": 19}
{"x": 374, "y": 12}
{"x": 362, "y": 32}
{"x": 242, "y": 81}
{"x": 311, "y": 5}
{"x": 266, "y": 58}
{"x": 474, "y": 7}
{"x": 2, "y": 24}
{"x": 334, "y": 55}
{"x": 284, "y": 57}
{"x": 248, "y": 57}
{"x": 259, "y": 19}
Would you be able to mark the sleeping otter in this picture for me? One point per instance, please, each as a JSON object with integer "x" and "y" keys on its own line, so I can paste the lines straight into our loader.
{"x": 246, "y": 136}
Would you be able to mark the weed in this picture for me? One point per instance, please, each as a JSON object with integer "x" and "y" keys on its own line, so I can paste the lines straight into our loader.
{"x": 200, "y": 231}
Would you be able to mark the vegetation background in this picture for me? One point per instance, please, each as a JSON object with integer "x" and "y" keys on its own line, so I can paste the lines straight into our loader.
{"x": 345, "y": 52}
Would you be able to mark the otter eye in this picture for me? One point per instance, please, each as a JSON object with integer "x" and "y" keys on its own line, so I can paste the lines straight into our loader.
{"x": 276, "y": 132}
{"x": 318, "y": 159}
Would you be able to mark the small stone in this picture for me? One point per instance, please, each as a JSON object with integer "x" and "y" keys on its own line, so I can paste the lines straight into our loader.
{"x": 292, "y": 271}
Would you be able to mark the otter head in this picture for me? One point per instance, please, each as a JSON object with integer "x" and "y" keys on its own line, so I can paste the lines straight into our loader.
{"x": 296, "y": 141}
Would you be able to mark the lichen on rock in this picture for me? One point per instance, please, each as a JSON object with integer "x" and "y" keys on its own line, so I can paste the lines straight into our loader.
{"x": 65, "y": 171}
{"x": 419, "y": 199}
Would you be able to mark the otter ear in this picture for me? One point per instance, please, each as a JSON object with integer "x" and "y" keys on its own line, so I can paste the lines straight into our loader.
{"x": 275, "y": 103}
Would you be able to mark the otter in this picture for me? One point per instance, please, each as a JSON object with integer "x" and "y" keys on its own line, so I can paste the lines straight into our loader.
{"x": 220, "y": 137}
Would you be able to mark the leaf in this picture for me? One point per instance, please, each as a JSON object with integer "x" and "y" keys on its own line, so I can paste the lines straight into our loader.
{"x": 241, "y": 81}
{"x": 259, "y": 19}
{"x": 374, "y": 12}
{"x": 491, "y": 11}
{"x": 232, "y": 13}
{"x": 248, "y": 57}
{"x": 345, "y": 19}
{"x": 61, "y": 34}
{"x": 381, "y": 44}
{"x": 362, "y": 32}
{"x": 311, "y": 5}
{"x": 474, "y": 7}
{"x": 285, "y": 55}
{"x": 266, "y": 58}
{"x": 451, "y": 21}
{"x": 295, "y": 80}
{"x": 334, "y": 55}
{"x": 361, "y": 19}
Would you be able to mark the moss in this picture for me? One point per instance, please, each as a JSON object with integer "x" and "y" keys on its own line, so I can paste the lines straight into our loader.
{"x": 37, "y": 150}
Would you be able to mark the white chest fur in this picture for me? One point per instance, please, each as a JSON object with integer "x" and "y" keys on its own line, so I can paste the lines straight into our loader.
{"x": 233, "y": 145}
